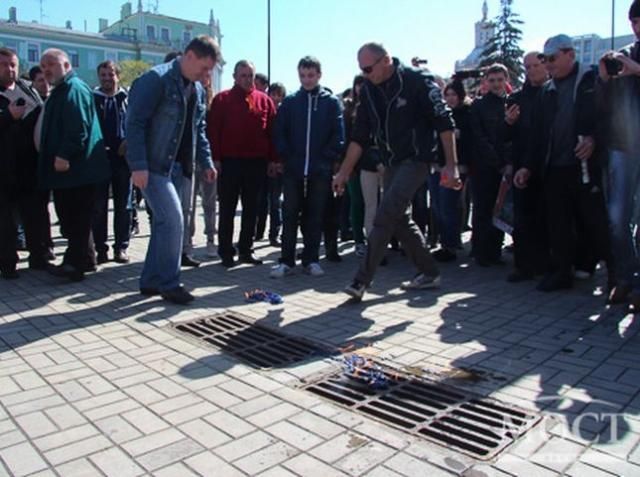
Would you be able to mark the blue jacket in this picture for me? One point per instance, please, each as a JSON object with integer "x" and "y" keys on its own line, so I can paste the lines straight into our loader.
{"x": 155, "y": 120}
{"x": 309, "y": 133}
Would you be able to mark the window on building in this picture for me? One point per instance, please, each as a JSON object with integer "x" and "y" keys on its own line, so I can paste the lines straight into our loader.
{"x": 33, "y": 52}
{"x": 111, "y": 55}
{"x": 92, "y": 60}
{"x": 75, "y": 59}
{"x": 164, "y": 35}
{"x": 587, "y": 46}
{"x": 186, "y": 37}
{"x": 151, "y": 32}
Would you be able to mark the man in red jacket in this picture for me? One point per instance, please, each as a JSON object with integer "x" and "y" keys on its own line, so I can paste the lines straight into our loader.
{"x": 239, "y": 128}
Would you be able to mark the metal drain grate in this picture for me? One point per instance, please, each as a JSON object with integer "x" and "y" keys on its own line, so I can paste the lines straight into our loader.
{"x": 477, "y": 426}
{"x": 255, "y": 344}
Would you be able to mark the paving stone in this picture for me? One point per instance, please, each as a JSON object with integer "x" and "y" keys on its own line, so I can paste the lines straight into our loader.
{"x": 77, "y": 468}
{"x": 22, "y": 459}
{"x": 294, "y": 435}
{"x": 28, "y": 380}
{"x": 153, "y": 442}
{"x": 167, "y": 387}
{"x": 11, "y": 438}
{"x": 277, "y": 471}
{"x": 609, "y": 463}
{"x": 144, "y": 394}
{"x": 249, "y": 444}
{"x": 175, "y": 470}
{"x": 254, "y": 406}
{"x": 175, "y": 452}
{"x": 76, "y": 450}
{"x": 72, "y": 391}
{"x": 557, "y": 454}
{"x": 204, "y": 433}
{"x": 276, "y": 413}
{"x": 207, "y": 463}
{"x": 117, "y": 429}
{"x": 115, "y": 462}
{"x": 410, "y": 466}
{"x": 264, "y": 458}
{"x": 232, "y": 425}
{"x": 308, "y": 466}
{"x": 175, "y": 404}
{"x": 318, "y": 425}
{"x": 36, "y": 424}
{"x": 146, "y": 421}
{"x": 119, "y": 407}
{"x": 338, "y": 447}
{"x": 383, "y": 434}
{"x": 365, "y": 458}
{"x": 517, "y": 466}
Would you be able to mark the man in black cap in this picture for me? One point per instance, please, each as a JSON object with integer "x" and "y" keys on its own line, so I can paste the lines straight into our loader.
{"x": 619, "y": 95}
{"x": 562, "y": 155}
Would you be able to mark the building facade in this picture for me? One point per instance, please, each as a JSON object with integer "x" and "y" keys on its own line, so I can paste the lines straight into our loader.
{"x": 484, "y": 31}
{"x": 139, "y": 35}
{"x": 590, "y": 48}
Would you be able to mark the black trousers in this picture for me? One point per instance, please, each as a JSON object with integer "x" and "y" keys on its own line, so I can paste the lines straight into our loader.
{"x": 244, "y": 179}
{"x": 576, "y": 214}
{"x": 75, "y": 206}
{"x": 530, "y": 247}
{"x": 487, "y": 238}
{"x": 33, "y": 210}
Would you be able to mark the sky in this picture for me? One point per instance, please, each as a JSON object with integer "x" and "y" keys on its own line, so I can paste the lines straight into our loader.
{"x": 441, "y": 31}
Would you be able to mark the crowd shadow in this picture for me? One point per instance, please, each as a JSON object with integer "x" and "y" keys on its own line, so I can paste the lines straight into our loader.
{"x": 548, "y": 357}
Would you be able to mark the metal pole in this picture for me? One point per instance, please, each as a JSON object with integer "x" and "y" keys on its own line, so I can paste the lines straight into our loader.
{"x": 269, "y": 41}
{"x": 613, "y": 28}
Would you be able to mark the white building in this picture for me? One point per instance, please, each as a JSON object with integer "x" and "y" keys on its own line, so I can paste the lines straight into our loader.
{"x": 484, "y": 31}
{"x": 590, "y": 48}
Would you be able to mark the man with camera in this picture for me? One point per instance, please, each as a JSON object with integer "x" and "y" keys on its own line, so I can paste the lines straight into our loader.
{"x": 19, "y": 109}
{"x": 619, "y": 94}
{"x": 562, "y": 157}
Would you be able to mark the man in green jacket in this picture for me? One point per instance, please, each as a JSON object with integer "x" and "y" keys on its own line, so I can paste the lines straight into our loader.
{"x": 72, "y": 159}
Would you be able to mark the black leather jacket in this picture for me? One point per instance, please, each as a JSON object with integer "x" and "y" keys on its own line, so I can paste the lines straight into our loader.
{"x": 489, "y": 132}
{"x": 401, "y": 115}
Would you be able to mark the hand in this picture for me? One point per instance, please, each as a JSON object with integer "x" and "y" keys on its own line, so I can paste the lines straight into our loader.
{"x": 210, "y": 175}
{"x": 339, "y": 181}
{"x": 521, "y": 178}
{"x": 585, "y": 148}
{"x": 140, "y": 179}
{"x": 512, "y": 114}
{"x": 602, "y": 69}
{"x": 450, "y": 177}
{"x": 17, "y": 111}
{"x": 61, "y": 165}
{"x": 272, "y": 169}
{"x": 629, "y": 67}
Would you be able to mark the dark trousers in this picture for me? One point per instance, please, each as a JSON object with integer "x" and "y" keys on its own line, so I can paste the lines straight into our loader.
{"x": 33, "y": 209}
{"x": 240, "y": 178}
{"x": 270, "y": 204}
{"x": 530, "y": 248}
{"x": 121, "y": 188}
{"x": 568, "y": 203}
{"x": 75, "y": 206}
{"x": 332, "y": 221}
{"x": 487, "y": 238}
{"x": 308, "y": 208}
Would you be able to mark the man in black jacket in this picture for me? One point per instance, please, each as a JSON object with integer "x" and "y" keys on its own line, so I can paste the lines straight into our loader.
{"x": 562, "y": 155}
{"x": 19, "y": 109}
{"x": 400, "y": 109}
{"x": 530, "y": 251}
{"x": 489, "y": 165}
{"x": 620, "y": 108}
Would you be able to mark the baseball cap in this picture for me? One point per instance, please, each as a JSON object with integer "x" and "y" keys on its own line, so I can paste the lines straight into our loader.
{"x": 556, "y": 43}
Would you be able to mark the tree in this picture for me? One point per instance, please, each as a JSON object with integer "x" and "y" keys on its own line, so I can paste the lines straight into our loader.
{"x": 130, "y": 70}
{"x": 504, "y": 46}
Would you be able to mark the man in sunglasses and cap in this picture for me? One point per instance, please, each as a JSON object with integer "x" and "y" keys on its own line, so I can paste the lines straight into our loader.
{"x": 562, "y": 155}
{"x": 400, "y": 111}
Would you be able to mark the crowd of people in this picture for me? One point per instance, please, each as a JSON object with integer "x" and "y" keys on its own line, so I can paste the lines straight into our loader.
{"x": 400, "y": 159}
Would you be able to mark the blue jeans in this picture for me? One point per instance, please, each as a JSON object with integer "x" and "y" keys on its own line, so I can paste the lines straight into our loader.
{"x": 162, "y": 264}
{"x": 122, "y": 191}
{"x": 623, "y": 183}
{"x": 446, "y": 205}
{"x": 297, "y": 207}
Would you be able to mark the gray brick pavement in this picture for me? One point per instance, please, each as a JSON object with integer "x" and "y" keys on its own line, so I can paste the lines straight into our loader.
{"x": 91, "y": 383}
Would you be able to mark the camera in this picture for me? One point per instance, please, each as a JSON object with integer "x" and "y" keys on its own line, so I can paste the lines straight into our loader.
{"x": 613, "y": 66}
{"x": 466, "y": 74}
{"x": 416, "y": 60}
{"x": 20, "y": 102}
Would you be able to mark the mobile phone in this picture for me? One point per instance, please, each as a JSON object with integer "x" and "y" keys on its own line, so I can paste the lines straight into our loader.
{"x": 20, "y": 102}
{"x": 511, "y": 100}
{"x": 613, "y": 66}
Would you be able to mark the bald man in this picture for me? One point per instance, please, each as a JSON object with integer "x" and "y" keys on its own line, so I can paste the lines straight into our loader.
{"x": 72, "y": 159}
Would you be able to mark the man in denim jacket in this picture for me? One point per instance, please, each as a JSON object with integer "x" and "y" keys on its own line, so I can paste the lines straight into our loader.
{"x": 166, "y": 129}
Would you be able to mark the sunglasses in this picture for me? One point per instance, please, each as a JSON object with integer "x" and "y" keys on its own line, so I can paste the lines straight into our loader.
{"x": 368, "y": 69}
{"x": 552, "y": 58}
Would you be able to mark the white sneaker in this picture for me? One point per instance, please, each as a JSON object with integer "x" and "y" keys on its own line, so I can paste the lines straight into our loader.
{"x": 421, "y": 282}
{"x": 314, "y": 269}
{"x": 212, "y": 251}
{"x": 280, "y": 270}
{"x": 361, "y": 250}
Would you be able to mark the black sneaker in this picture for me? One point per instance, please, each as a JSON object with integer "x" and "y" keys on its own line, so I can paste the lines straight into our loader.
{"x": 444, "y": 255}
{"x": 177, "y": 295}
{"x": 249, "y": 258}
{"x": 188, "y": 261}
{"x": 102, "y": 257}
{"x": 355, "y": 290}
